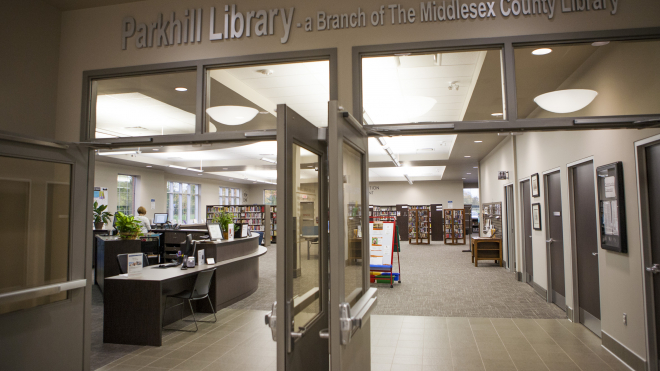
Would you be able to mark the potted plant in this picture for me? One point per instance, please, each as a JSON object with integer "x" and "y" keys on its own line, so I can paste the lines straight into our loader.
{"x": 127, "y": 226}
{"x": 224, "y": 219}
{"x": 101, "y": 216}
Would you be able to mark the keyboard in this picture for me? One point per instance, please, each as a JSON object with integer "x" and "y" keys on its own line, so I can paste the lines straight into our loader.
{"x": 170, "y": 265}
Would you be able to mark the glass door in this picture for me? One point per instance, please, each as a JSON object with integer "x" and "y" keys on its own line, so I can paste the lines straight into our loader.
{"x": 299, "y": 319}
{"x": 351, "y": 298}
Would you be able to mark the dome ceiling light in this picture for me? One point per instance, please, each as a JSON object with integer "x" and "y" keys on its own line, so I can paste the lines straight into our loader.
{"x": 232, "y": 115}
{"x": 565, "y": 101}
{"x": 542, "y": 51}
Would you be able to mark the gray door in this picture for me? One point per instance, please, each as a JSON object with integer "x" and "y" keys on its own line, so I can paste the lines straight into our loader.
{"x": 44, "y": 296}
{"x": 653, "y": 179}
{"x": 301, "y": 309}
{"x": 586, "y": 246}
{"x": 555, "y": 243}
{"x": 510, "y": 228}
{"x": 351, "y": 299}
{"x": 525, "y": 192}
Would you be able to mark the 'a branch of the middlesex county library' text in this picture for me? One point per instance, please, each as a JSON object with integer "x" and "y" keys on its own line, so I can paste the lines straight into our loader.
{"x": 236, "y": 24}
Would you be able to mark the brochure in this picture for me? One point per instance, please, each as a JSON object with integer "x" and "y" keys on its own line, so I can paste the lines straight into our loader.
{"x": 134, "y": 264}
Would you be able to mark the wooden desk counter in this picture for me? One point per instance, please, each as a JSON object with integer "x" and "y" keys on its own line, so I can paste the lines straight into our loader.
{"x": 134, "y": 306}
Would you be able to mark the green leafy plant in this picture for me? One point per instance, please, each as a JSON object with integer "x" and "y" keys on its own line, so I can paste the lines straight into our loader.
{"x": 224, "y": 219}
{"x": 100, "y": 215}
{"x": 128, "y": 227}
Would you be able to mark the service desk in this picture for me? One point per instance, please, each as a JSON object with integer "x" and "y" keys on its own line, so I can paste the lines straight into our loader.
{"x": 107, "y": 249}
{"x": 134, "y": 306}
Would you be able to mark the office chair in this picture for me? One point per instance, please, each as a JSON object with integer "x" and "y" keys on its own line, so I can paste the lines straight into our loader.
{"x": 199, "y": 292}
{"x": 122, "y": 260}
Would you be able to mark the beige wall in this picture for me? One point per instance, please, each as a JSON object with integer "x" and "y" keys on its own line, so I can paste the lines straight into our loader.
{"x": 420, "y": 193}
{"x": 30, "y": 44}
{"x": 256, "y": 193}
{"x": 620, "y": 274}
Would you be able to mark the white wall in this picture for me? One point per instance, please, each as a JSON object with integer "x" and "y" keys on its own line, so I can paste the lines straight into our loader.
{"x": 620, "y": 274}
{"x": 256, "y": 192}
{"x": 420, "y": 193}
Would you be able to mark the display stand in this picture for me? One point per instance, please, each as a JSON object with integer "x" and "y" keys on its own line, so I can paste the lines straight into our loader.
{"x": 383, "y": 273}
{"x": 419, "y": 227}
{"x": 454, "y": 227}
{"x": 492, "y": 219}
{"x": 467, "y": 224}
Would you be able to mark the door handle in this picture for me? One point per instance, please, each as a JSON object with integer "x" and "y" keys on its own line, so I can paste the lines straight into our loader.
{"x": 271, "y": 321}
{"x": 324, "y": 334}
{"x": 550, "y": 240}
{"x": 350, "y": 324}
{"x": 594, "y": 253}
{"x": 655, "y": 269}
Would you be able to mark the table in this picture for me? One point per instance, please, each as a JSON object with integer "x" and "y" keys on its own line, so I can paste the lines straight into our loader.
{"x": 309, "y": 239}
{"x": 134, "y": 306}
{"x": 486, "y": 248}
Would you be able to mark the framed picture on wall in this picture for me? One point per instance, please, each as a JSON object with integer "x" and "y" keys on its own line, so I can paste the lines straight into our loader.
{"x": 536, "y": 216}
{"x": 535, "y": 185}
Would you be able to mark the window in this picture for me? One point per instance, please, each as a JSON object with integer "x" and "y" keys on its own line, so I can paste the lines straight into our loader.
{"x": 126, "y": 194}
{"x": 471, "y": 197}
{"x": 270, "y": 197}
{"x": 602, "y": 78}
{"x": 230, "y": 196}
{"x": 183, "y": 202}
{"x": 144, "y": 105}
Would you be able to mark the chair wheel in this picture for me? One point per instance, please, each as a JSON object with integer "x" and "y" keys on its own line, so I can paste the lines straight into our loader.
{"x": 399, "y": 281}
{"x": 391, "y": 286}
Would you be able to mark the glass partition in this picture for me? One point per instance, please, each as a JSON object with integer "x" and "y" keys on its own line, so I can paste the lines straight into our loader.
{"x": 353, "y": 233}
{"x": 34, "y": 225}
{"x": 246, "y": 98}
{"x": 600, "y": 78}
{"x": 144, "y": 105}
{"x": 437, "y": 86}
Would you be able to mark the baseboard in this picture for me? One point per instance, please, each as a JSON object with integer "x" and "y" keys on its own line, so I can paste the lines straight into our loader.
{"x": 540, "y": 290}
{"x": 519, "y": 276}
{"x": 569, "y": 313}
{"x": 622, "y": 352}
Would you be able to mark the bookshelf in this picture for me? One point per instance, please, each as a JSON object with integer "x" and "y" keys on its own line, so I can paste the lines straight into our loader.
{"x": 252, "y": 215}
{"x": 382, "y": 213}
{"x": 273, "y": 224}
{"x": 419, "y": 224}
{"x": 454, "y": 228}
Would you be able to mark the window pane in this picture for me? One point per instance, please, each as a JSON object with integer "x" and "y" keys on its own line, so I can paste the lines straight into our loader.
{"x": 353, "y": 218}
{"x": 306, "y": 215}
{"x": 34, "y": 225}
{"x": 125, "y": 194}
{"x": 432, "y": 87}
{"x": 185, "y": 188}
{"x": 578, "y": 80}
{"x": 145, "y": 105}
{"x": 256, "y": 91}
{"x": 184, "y": 208}
{"x": 176, "y": 208}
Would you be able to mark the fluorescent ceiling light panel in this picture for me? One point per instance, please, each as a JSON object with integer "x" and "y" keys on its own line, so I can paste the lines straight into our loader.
{"x": 565, "y": 101}
{"x": 408, "y": 179}
{"x": 268, "y": 160}
{"x": 178, "y": 167}
{"x": 398, "y": 173}
{"x": 406, "y": 147}
{"x": 193, "y": 169}
{"x": 117, "y": 153}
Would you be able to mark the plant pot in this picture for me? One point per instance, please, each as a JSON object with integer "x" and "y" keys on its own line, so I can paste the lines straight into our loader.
{"x": 225, "y": 235}
{"x": 129, "y": 235}
{"x": 98, "y": 225}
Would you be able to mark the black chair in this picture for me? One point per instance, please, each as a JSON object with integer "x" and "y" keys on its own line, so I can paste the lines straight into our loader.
{"x": 199, "y": 292}
{"x": 122, "y": 260}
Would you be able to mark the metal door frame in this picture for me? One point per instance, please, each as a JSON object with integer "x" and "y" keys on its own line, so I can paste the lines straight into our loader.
{"x": 522, "y": 226}
{"x": 645, "y": 237}
{"x": 546, "y": 214}
{"x": 284, "y": 290}
{"x": 79, "y": 278}
{"x": 510, "y": 222}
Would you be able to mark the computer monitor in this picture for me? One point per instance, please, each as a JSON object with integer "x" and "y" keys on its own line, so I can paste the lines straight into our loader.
{"x": 160, "y": 218}
{"x": 215, "y": 234}
{"x": 189, "y": 247}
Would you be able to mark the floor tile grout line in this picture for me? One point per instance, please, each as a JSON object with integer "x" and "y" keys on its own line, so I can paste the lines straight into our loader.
{"x": 505, "y": 348}
{"x": 530, "y": 344}
{"x": 582, "y": 342}
{"x": 560, "y": 347}
{"x": 477, "y": 344}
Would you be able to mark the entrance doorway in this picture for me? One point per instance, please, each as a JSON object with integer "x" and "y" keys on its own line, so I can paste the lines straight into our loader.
{"x": 528, "y": 251}
{"x": 510, "y": 228}
{"x": 555, "y": 240}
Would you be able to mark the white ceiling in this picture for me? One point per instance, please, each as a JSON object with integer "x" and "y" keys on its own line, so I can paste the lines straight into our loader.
{"x": 406, "y": 89}
{"x": 413, "y": 148}
{"x": 386, "y": 174}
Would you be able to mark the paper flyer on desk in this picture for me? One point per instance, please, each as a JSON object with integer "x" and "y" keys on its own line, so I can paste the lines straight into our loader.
{"x": 381, "y": 243}
{"x": 134, "y": 264}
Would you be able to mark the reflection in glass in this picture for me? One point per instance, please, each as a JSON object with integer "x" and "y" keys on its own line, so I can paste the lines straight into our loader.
{"x": 621, "y": 74}
{"x": 303, "y": 86}
{"x": 144, "y": 105}
{"x": 432, "y": 87}
{"x": 34, "y": 225}
{"x": 307, "y": 263}
{"x": 353, "y": 233}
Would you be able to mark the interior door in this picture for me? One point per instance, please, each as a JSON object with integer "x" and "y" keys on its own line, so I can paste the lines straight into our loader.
{"x": 586, "y": 245}
{"x": 525, "y": 192}
{"x": 351, "y": 299}
{"x": 510, "y": 228}
{"x": 44, "y": 296}
{"x": 301, "y": 309}
{"x": 555, "y": 241}
{"x": 653, "y": 179}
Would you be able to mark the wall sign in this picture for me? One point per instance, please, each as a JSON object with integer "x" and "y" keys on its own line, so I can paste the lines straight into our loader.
{"x": 235, "y": 23}
{"x": 503, "y": 175}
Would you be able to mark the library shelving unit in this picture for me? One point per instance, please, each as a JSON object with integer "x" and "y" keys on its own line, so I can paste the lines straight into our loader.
{"x": 382, "y": 213}
{"x": 252, "y": 215}
{"x": 419, "y": 224}
{"x": 454, "y": 227}
{"x": 355, "y": 232}
{"x": 273, "y": 224}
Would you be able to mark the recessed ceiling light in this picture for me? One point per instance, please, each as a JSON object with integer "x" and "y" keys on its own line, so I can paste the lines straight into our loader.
{"x": 478, "y": 141}
{"x": 181, "y": 88}
{"x": 148, "y": 165}
{"x": 466, "y": 156}
{"x": 542, "y": 51}
{"x": 155, "y": 149}
{"x": 463, "y": 178}
{"x": 253, "y": 182}
{"x": 468, "y": 173}
{"x": 497, "y": 114}
{"x": 600, "y": 43}
{"x": 476, "y": 167}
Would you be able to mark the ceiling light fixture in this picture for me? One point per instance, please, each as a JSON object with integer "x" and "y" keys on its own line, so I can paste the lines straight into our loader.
{"x": 232, "y": 115}
{"x": 116, "y": 153}
{"x": 542, "y": 51}
{"x": 181, "y": 88}
{"x": 467, "y": 156}
{"x": 468, "y": 173}
{"x": 454, "y": 85}
{"x": 565, "y": 101}
{"x": 155, "y": 149}
{"x": 178, "y": 167}
{"x": 478, "y": 141}
{"x": 193, "y": 169}
{"x": 149, "y": 166}
{"x": 497, "y": 114}
{"x": 599, "y": 43}
{"x": 408, "y": 178}
{"x": 463, "y": 178}
{"x": 266, "y": 72}
{"x": 268, "y": 160}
